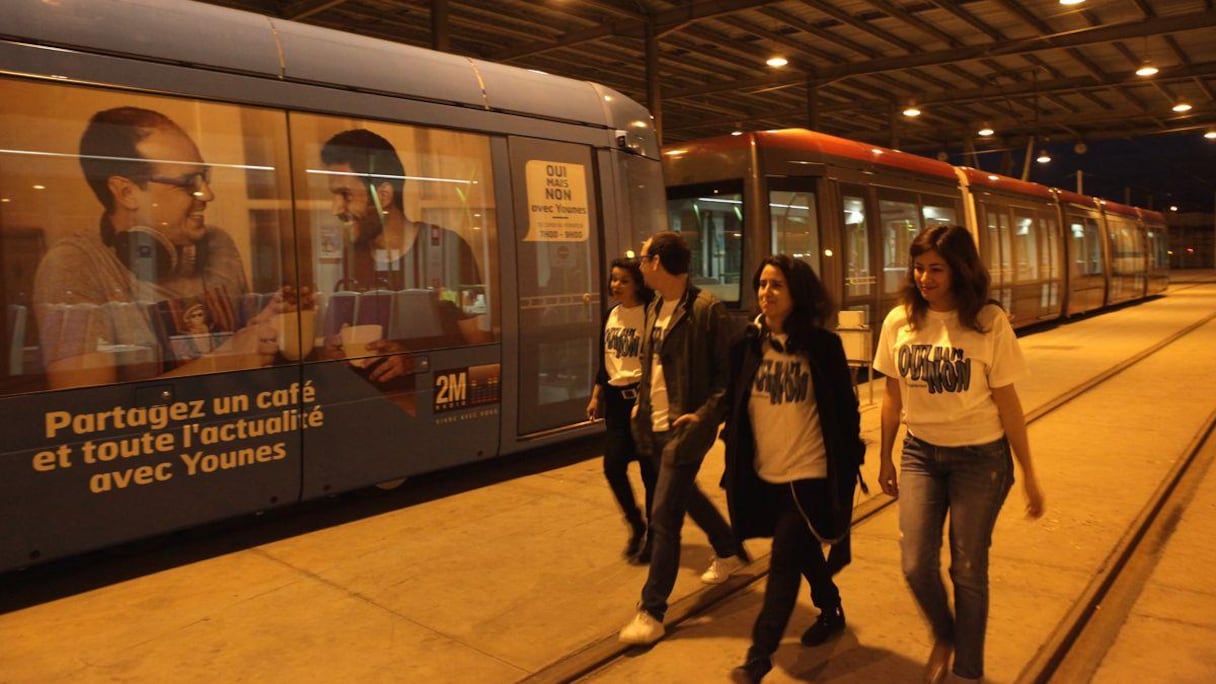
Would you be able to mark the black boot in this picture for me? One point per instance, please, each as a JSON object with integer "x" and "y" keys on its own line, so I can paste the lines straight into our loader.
{"x": 643, "y": 556}
{"x": 752, "y": 671}
{"x": 829, "y": 623}
{"x": 636, "y": 535}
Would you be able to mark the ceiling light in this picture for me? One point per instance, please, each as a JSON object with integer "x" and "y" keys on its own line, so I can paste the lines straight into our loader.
{"x": 1211, "y": 134}
{"x": 736, "y": 132}
{"x": 1043, "y": 157}
{"x": 1147, "y": 69}
{"x": 777, "y": 62}
{"x": 911, "y": 111}
{"x": 1071, "y": 2}
{"x": 986, "y": 130}
{"x": 1182, "y": 107}
{"x": 1173, "y": 207}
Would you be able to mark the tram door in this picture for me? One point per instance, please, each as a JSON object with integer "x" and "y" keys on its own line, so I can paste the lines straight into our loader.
{"x": 558, "y": 258}
{"x": 860, "y": 256}
{"x": 794, "y": 220}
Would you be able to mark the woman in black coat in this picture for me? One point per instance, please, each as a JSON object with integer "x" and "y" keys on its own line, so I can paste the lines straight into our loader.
{"x": 793, "y": 452}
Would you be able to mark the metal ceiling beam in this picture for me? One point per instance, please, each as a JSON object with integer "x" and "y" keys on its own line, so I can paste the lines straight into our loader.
{"x": 970, "y": 19}
{"x": 1082, "y": 37}
{"x": 819, "y": 33}
{"x": 1042, "y": 88}
{"x": 787, "y": 41}
{"x": 893, "y": 10}
{"x": 861, "y": 25}
{"x": 663, "y": 22}
{"x": 1080, "y": 84}
{"x": 305, "y": 8}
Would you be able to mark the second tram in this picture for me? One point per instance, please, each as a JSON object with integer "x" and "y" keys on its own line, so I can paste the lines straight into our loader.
{"x": 851, "y": 210}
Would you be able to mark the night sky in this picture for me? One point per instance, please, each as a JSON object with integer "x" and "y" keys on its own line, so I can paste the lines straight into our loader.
{"x": 1159, "y": 170}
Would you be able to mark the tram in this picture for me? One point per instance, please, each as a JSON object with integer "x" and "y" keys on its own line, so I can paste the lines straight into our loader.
{"x": 851, "y": 211}
{"x": 248, "y": 262}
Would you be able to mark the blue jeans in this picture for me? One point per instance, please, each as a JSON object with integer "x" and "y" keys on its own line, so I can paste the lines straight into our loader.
{"x": 971, "y": 482}
{"x": 676, "y": 493}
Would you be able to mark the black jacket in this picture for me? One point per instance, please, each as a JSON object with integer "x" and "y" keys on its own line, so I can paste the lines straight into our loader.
{"x": 751, "y": 514}
{"x": 693, "y": 354}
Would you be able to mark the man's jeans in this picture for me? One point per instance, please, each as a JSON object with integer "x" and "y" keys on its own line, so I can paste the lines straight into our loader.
{"x": 971, "y": 482}
{"x": 675, "y": 494}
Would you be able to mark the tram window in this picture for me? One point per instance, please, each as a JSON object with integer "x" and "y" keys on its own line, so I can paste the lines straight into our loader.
{"x": 1123, "y": 249}
{"x": 859, "y": 280}
{"x": 159, "y": 227}
{"x": 938, "y": 214}
{"x": 398, "y": 224}
{"x": 1026, "y": 240}
{"x": 996, "y": 244}
{"x": 1158, "y": 249}
{"x": 1086, "y": 246}
{"x": 710, "y": 218}
{"x": 795, "y": 225}
{"x": 1049, "y": 239}
{"x": 900, "y": 225}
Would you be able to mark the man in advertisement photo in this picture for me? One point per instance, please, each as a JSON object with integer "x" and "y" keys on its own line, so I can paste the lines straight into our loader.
{"x": 395, "y": 265}
{"x": 108, "y": 301}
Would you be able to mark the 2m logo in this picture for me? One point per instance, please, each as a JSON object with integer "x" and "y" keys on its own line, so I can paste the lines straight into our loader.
{"x": 451, "y": 390}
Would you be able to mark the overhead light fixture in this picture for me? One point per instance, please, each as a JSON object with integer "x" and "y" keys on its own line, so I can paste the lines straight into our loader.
{"x": 1043, "y": 157}
{"x": 1067, "y": 3}
{"x": 1211, "y": 134}
{"x": 777, "y": 61}
{"x": 1147, "y": 69}
{"x": 911, "y": 111}
{"x": 736, "y": 132}
{"x": 986, "y": 130}
{"x": 1173, "y": 207}
{"x": 1182, "y": 107}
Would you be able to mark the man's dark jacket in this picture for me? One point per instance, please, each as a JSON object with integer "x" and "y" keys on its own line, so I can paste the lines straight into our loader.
{"x": 693, "y": 353}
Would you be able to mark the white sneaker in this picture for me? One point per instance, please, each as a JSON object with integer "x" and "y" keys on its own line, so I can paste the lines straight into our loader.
{"x": 642, "y": 629}
{"x": 721, "y": 569}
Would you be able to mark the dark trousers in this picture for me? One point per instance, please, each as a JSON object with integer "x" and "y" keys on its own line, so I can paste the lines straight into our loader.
{"x": 619, "y": 450}
{"x": 676, "y": 494}
{"x": 796, "y": 553}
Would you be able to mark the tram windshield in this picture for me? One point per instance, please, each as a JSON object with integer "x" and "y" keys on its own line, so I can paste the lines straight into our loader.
{"x": 710, "y": 217}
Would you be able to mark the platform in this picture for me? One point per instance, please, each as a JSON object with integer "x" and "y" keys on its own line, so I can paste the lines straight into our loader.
{"x": 501, "y": 574}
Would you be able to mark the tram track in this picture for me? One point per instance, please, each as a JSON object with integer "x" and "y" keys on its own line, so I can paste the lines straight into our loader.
{"x": 1076, "y": 649}
{"x": 1051, "y": 657}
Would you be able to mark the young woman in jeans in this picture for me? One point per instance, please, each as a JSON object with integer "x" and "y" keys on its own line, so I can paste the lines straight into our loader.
{"x": 793, "y": 450}
{"x": 951, "y": 360}
{"x": 616, "y": 388}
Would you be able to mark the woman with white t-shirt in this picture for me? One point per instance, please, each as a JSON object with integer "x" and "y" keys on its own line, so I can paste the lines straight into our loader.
{"x": 951, "y": 360}
{"x": 793, "y": 452}
{"x": 616, "y": 385}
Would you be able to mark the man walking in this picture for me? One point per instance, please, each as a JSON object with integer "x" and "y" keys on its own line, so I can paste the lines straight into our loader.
{"x": 680, "y": 405}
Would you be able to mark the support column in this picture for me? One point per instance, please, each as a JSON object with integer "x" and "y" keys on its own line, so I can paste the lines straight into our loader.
{"x": 812, "y": 104}
{"x": 893, "y": 126}
{"x": 1029, "y": 156}
{"x": 969, "y": 149}
{"x": 654, "y": 95}
{"x": 440, "y": 37}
